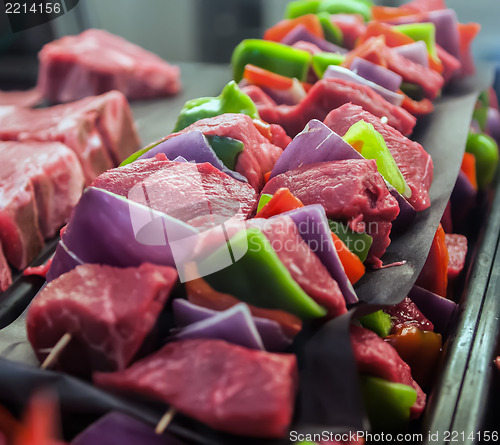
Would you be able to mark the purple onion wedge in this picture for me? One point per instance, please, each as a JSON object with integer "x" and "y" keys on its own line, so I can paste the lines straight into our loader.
{"x": 316, "y": 143}
{"x": 312, "y": 224}
{"x": 437, "y": 309}
{"x": 192, "y": 146}
{"x": 234, "y": 325}
{"x": 271, "y": 333}
{"x": 109, "y": 229}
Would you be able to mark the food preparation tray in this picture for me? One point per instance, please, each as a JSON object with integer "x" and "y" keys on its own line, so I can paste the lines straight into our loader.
{"x": 446, "y": 128}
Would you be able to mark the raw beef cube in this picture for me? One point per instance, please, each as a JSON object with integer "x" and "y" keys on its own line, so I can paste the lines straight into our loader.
{"x": 107, "y": 310}
{"x": 56, "y": 176}
{"x": 228, "y": 387}
{"x": 198, "y": 194}
{"x": 19, "y": 229}
{"x": 95, "y": 62}
{"x": 260, "y": 153}
{"x": 351, "y": 191}
{"x": 414, "y": 162}
{"x": 5, "y": 275}
{"x": 100, "y": 130}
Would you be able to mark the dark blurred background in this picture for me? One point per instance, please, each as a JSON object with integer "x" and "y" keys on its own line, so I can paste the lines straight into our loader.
{"x": 186, "y": 30}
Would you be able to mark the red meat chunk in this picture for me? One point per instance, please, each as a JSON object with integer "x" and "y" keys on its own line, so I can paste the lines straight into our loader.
{"x": 228, "y": 387}
{"x": 96, "y": 62}
{"x": 55, "y": 173}
{"x": 377, "y": 358}
{"x": 304, "y": 266}
{"x": 100, "y": 130}
{"x": 352, "y": 191}
{"x": 325, "y": 96}
{"x": 108, "y": 311}
{"x": 259, "y": 155}
{"x": 40, "y": 183}
{"x": 414, "y": 162}
{"x": 5, "y": 274}
{"x": 198, "y": 194}
{"x": 457, "y": 251}
{"x": 406, "y": 313}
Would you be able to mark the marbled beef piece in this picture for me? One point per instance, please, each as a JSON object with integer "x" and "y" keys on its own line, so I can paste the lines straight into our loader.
{"x": 55, "y": 173}
{"x": 377, "y": 358}
{"x": 325, "y": 96}
{"x": 260, "y": 153}
{"x": 100, "y": 130}
{"x": 5, "y": 274}
{"x": 228, "y": 387}
{"x": 414, "y": 162}
{"x": 107, "y": 310}
{"x": 96, "y": 62}
{"x": 302, "y": 263}
{"x": 198, "y": 194}
{"x": 351, "y": 191}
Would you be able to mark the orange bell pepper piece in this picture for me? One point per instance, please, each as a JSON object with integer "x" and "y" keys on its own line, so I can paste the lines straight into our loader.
{"x": 434, "y": 274}
{"x": 420, "y": 349}
{"x": 353, "y": 266}
{"x": 282, "y": 201}
{"x": 469, "y": 168}
{"x": 417, "y": 107}
{"x": 282, "y": 28}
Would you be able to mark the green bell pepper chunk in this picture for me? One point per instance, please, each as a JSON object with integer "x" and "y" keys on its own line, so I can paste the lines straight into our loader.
{"x": 421, "y": 31}
{"x": 227, "y": 149}
{"x": 332, "y": 32}
{"x": 272, "y": 56}
{"x": 321, "y": 61}
{"x": 231, "y": 100}
{"x": 485, "y": 149}
{"x": 370, "y": 143}
{"x": 378, "y": 322}
{"x": 259, "y": 277}
{"x": 387, "y": 404}
{"x": 301, "y": 7}
{"x": 264, "y": 199}
{"x": 480, "y": 114}
{"x": 357, "y": 243}
{"x": 361, "y": 7}
{"x": 412, "y": 90}
{"x": 134, "y": 156}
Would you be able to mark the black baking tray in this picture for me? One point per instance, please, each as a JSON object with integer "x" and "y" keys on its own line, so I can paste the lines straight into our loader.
{"x": 18, "y": 376}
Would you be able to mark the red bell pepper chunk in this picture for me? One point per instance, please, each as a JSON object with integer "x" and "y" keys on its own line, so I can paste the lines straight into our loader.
{"x": 282, "y": 28}
{"x": 417, "y": 107}
{"x": 392, "y": 36}
{"x": 434, "y": 275}
{"x": 353, "y": 266}
{"x": 426, "y": 5}
{"x": 282, "y": 201}
{"x": 264, "y": 78}
{"x": 469, "y": 168}
{"x": 267, "y": 176}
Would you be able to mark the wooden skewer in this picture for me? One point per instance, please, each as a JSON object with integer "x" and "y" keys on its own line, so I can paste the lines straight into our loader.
{"x": 56, "y": 351}
{"x": 165, "y": 420}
